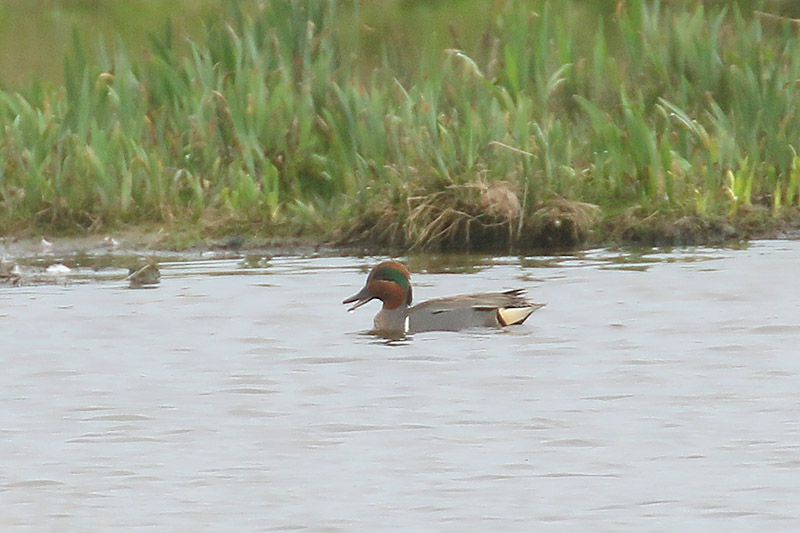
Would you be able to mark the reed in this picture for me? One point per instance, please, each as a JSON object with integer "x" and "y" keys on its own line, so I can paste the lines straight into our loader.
{"x": 272, "y": 123}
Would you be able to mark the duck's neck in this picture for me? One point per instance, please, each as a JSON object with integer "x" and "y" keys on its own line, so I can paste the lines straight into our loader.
{"x": 392, "y": 319}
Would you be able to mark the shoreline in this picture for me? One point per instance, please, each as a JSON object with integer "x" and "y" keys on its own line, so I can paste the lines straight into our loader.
{"x": 558, "y": 235}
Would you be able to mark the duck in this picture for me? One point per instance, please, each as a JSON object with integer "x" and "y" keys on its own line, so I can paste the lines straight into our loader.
{"x": 390, "y": 282}
{"x": 9, "y": 273}
{"x": 146, "y": 276}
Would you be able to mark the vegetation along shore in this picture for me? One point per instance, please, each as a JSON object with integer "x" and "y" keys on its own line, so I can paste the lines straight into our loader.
{"x": 543, "y": 124}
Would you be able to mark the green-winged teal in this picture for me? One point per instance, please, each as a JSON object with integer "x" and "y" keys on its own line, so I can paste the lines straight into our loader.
{"x": 390, "y": 282}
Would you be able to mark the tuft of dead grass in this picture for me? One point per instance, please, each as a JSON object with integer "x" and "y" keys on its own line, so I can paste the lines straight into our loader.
{"x": 476, "y": 214}
{"x": 561, "y": 223}
{"x": 480, "y": 214}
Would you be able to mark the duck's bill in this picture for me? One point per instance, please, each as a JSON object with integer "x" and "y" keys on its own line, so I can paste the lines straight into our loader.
{"x": 360, "y": 299}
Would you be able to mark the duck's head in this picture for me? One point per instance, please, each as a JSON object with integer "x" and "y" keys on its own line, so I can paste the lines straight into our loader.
{"x": 389, "y": 282}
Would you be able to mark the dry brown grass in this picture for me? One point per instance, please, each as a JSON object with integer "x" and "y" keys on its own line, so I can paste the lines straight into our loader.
{"x": 476, "y": 214}
{"x": 480, "y": 214}
{"x": 561, "y": 223}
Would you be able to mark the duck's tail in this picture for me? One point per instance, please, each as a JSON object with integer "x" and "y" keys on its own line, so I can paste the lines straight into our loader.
{"x": 512, "y": 316}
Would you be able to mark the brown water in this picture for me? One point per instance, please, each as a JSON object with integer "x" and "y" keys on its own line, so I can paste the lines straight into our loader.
{"x": 655, "y": 391}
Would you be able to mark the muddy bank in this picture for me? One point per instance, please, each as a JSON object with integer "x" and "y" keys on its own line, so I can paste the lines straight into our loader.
{"x": 131, "y": 257}
{"x": 558, "y": 226}
{"x": 754, "y": 222}
{"x": 569, "y": 225}
{"x": 159, "y": 243}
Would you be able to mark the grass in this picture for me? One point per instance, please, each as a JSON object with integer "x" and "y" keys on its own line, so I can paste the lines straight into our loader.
{"x": 544, "y": 124}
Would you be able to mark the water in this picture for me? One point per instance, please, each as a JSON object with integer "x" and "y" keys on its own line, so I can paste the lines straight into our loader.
{"x": 655, "y": 391}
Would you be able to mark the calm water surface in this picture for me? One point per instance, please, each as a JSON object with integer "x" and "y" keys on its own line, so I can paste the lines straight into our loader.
{"x": 655, "y": 391}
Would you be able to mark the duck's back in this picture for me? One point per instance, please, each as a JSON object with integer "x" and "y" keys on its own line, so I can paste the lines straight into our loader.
{"x": 493, "y": 309}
